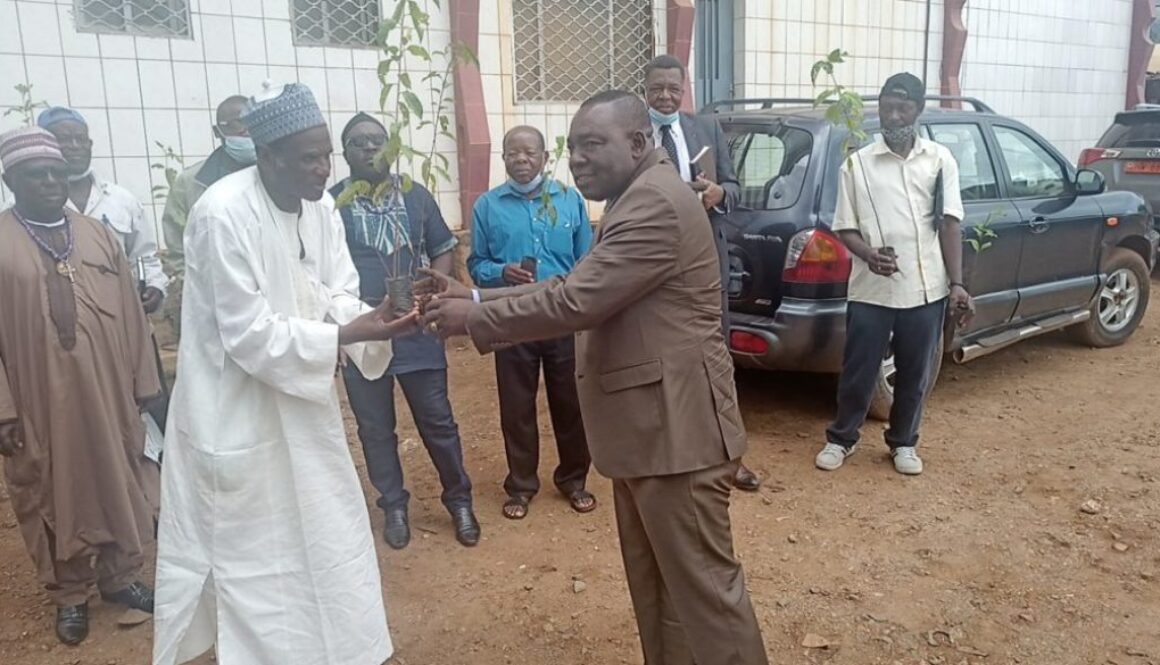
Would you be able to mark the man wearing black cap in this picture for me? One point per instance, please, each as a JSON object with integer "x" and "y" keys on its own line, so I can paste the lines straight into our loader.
{"x": 899, "y": 213}
{"x": 388, "y": 240}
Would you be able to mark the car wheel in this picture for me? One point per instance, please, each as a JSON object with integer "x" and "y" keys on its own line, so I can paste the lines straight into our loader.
{"x": 883, "y": 399}
{"x": 1120, "y": 305}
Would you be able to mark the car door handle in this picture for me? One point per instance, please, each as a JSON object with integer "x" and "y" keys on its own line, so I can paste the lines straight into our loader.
{"x": 1040, "y": 225}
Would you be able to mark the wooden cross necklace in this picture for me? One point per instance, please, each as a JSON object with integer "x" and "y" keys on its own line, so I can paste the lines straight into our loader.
{"x": 63, "y": 267}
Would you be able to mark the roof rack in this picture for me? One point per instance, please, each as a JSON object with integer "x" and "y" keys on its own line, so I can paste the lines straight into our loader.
{"x": 770, "y": 102}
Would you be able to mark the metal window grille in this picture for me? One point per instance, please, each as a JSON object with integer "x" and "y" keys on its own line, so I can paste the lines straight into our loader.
{"x": 335, "y": 22}
{"x": 569, "y": 50}
{"x": 154, "y": 18}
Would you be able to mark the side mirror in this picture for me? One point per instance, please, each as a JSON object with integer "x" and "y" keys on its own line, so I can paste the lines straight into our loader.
{"x": 1088, "y": 181}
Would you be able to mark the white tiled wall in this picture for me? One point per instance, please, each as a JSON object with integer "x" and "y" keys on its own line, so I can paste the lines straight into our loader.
{"x": 1058, "y": 65}
{"x": 779, "y": 40}
{"x": 137, "y": 91}
{"x": 496, "y": 67}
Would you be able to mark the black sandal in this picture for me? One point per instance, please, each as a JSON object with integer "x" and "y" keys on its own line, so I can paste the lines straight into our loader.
{"x": 515, "y": 508}
{"x": 576, "y": 498}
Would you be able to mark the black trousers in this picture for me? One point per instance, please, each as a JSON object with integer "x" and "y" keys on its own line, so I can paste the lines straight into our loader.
{"x": 517, "y": 373}
{"x": 915, "y": 335}
{"x": 373, "y": 403}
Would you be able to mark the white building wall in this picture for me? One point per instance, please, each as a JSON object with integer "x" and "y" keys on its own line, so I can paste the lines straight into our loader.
{"x": 497, "y": 68}
{"x": 1060, "y": 66}
{"x": 779, "y": 40}
{"x": 138, "y": 91}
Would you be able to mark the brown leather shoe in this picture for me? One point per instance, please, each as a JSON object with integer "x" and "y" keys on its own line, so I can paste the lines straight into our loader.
{"x": 745, "y": 480}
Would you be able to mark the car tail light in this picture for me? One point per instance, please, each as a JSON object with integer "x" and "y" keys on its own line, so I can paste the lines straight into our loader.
{"x": 747, "y": 342}
{"x": 816, "y": 256}
{"x": 1092, "y": 155}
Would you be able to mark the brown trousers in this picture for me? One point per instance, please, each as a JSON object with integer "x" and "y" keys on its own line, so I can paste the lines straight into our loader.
{"x": 688, "y": 590}
{"x": 114, "y": 570}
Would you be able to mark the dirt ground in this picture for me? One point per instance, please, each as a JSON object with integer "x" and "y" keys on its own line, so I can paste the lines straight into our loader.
{"x": 1032, "y": 538}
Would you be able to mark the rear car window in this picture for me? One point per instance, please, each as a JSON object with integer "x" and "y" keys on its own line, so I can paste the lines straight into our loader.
{"x": 1133, "y": 130}
{"x": 771, "y": 162}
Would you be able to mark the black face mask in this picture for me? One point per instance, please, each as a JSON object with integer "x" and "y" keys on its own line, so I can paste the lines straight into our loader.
{"x": 899, "y": 136}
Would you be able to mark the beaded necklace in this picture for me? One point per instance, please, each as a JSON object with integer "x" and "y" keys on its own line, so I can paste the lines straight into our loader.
{"x": 63, "y": 267}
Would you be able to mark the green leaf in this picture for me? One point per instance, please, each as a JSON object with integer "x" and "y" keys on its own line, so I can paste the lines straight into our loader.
{"x": 466, "y": 54}
{"x": 419, "y": 52}
{"x": 405, "y": 80}
{"x": 837, "y": 56}
{"x": 824, "y": 97}
{"x": 383, "y": 98}
{"x": 418, "y": 17}
{"x": 819, "y": 67}
{"x": 413, "y": 103}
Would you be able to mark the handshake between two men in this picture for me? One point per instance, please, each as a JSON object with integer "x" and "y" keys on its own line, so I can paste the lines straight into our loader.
{"x": 441, "y": 306}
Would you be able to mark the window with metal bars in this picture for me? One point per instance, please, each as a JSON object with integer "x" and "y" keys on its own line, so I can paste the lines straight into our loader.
{"x": 153, "y": 18}
{"x": 569, "y": 50}
{"x": 335, "y": 22}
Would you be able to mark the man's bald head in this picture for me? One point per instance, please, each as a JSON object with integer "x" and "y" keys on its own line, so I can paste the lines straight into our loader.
{"x": 627, "y": 109}
{"x": 525, "y": 131}
{"x": 609, "y": 139}
{"x": 229, "y": 116}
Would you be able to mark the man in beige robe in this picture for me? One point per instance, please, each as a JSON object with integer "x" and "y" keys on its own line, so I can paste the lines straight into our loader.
{"x": 75, "y": 362}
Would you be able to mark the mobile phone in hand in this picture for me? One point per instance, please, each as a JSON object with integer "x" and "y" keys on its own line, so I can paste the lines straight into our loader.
{"x": 529, "y": 264}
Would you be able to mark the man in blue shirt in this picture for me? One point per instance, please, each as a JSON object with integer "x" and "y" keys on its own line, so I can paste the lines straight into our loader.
{"x": 512, "y": 224}
{"x": 395, "y": 238}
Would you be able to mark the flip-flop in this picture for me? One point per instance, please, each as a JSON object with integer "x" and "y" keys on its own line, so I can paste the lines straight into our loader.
{"x": 518, "y": 507}
{"x": 579, "y": 495}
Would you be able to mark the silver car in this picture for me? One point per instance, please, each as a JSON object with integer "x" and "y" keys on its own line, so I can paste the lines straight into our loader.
{"x": 1128, "y": 154}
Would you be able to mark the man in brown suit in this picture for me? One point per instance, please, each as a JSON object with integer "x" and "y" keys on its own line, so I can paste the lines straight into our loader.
{"x": 645, "y": 304}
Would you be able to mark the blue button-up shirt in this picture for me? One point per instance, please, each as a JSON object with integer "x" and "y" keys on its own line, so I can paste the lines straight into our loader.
{"x": 507, "y": 226}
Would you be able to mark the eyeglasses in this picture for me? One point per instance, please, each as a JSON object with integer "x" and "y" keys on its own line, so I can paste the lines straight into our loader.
{"x": 59, "y": 173}
{"x": 369, "y": 142}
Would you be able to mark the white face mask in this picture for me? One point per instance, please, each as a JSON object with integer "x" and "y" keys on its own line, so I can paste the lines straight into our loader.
{"x": 78, "y": 177}
{"x": 241, "y": 149}
{"x": 530, "y": 187}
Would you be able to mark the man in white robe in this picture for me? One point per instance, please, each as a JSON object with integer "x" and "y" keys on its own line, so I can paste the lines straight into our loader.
{"x": 265, "y": 546}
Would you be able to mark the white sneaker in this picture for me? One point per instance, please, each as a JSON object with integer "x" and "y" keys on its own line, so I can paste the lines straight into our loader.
{"x": 833, "y": 456}
{"x": 907, "y": 461}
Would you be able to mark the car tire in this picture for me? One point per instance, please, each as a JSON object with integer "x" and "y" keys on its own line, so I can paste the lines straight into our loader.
{"x": 1121, "y": 303}
{"x": 883, "y": 399}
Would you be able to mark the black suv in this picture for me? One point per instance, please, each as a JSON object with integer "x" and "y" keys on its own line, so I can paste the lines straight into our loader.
{"x": 1064, "y": 252}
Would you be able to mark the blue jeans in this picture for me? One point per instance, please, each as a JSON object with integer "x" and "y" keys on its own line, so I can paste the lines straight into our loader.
{"x": 373, "y": 403}
{"x": 916, "y": 336}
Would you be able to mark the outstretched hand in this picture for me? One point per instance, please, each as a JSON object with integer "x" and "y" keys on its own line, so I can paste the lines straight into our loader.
{"x": 379, "y": 324}
{"x": 435, "y": 284}
{"x": 447, "y": 317}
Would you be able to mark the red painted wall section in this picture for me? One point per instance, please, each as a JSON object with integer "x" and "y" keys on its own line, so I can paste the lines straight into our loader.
{"x": 471, "y": 131}
{"x": 1139, "y": 51}
{"x": 679, "y": 16}
{"x": 954, "y": 46}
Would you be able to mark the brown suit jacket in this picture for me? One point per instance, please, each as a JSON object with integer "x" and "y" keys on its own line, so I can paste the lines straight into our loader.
{"x": 654, "y": 376}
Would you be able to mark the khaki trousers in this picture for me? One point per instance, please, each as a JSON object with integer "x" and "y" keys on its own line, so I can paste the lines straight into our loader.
{"x": 112, "y": 572}
{"x": 688, "y": 590}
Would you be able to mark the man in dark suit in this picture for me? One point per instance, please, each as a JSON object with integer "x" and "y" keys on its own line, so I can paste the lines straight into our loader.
{"x": 683, "y": 136}
{"x": 645, "y": 304}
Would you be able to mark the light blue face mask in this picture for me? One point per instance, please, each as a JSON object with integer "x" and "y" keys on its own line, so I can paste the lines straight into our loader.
{"x": 662, "y": 119}
{"x": 241, "y": 149}
{"x": 532, "y": 185}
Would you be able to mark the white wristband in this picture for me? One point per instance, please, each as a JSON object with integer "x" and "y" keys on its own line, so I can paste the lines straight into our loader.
{"x": 475, "y": 295}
